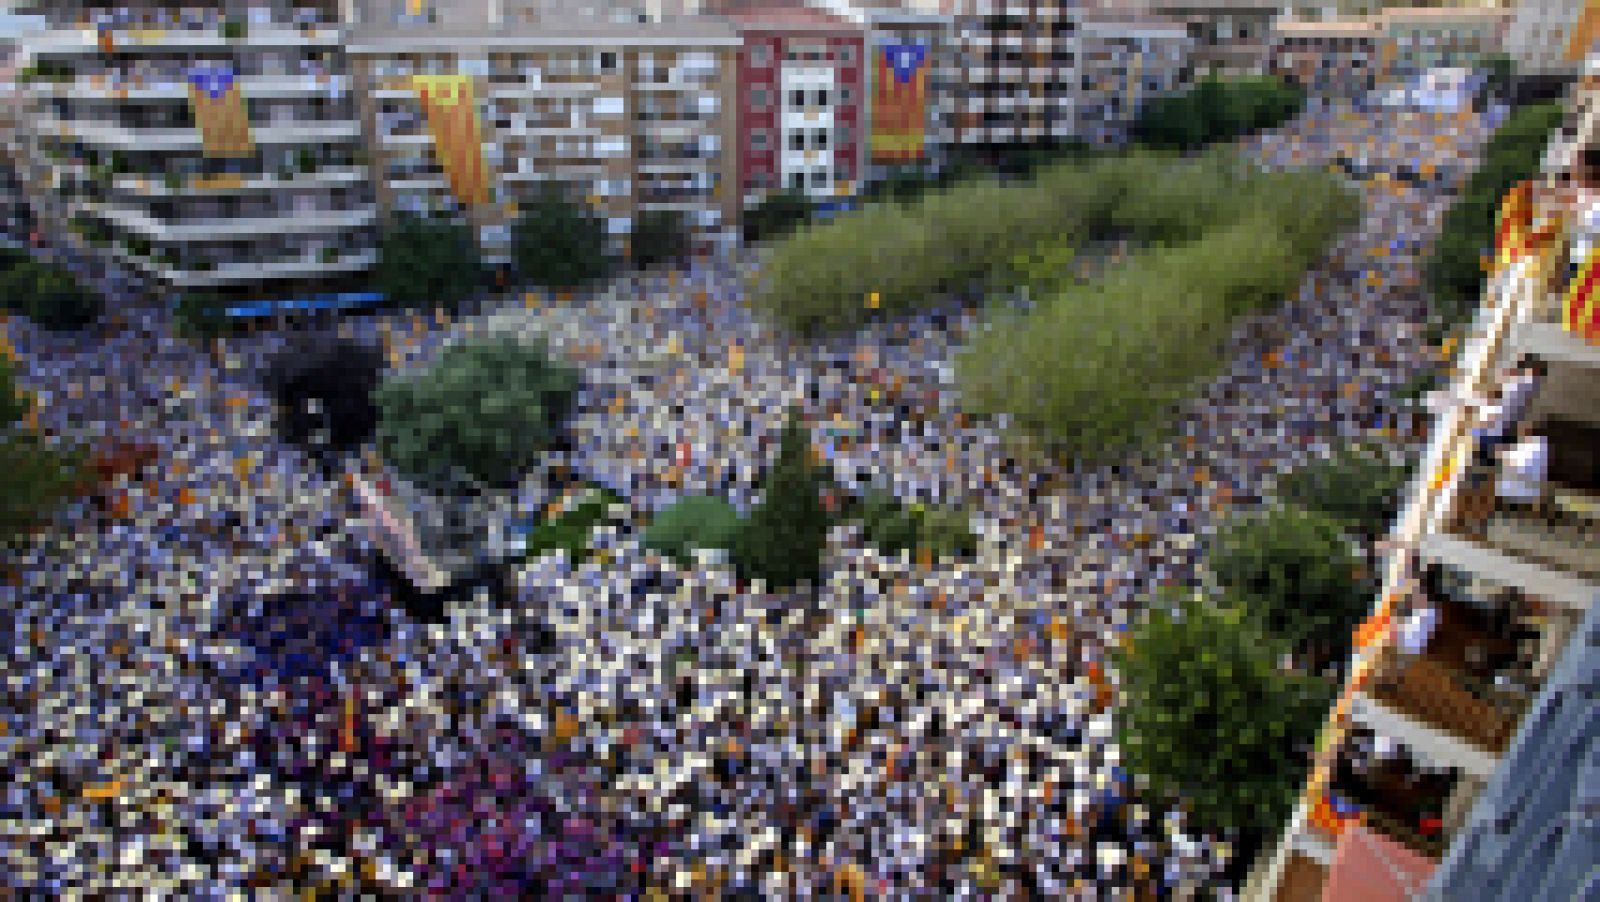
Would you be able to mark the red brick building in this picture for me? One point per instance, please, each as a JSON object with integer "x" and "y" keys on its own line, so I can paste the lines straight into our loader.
{"x": 801, "y": 99}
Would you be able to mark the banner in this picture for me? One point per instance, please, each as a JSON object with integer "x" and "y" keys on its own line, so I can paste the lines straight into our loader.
{"x": 1580, "y": 313}
{"x": 1514, "y": 222}
{"x": 899, "y": 103}
{"x": 453, "y": 121}
{"x": 219, "y": 112}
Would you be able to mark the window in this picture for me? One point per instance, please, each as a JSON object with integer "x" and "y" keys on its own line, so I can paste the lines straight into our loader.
{"x": 819, "y": 178}
{"x": 819, "y": 139}
{"x": 758, "y": 98}
{"x": 847, "y": 54}
{"x": 797, "y": 181}
{"x": 842, "y": 135}
{"x": 608, "y": 61}
{"x": 797, "y": 140}
{"x": 797, "y": 97}
{"x": 822, "y": 97}
{"x": 758, "y": 139}
{"x": 761, "y": 55}
{"x": 844, "y": 95}
{"x": 608, "y": 106}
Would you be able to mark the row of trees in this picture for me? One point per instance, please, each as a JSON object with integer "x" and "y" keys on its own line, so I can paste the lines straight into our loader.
{"x": 1222, "y": 243}
{"x": 46, "y": 294}
{"x": 35, "y": 477}
{"x": 1217, "y": 110}
{"x": 1454, "y": 270}
{"x": 1208, "y": 711}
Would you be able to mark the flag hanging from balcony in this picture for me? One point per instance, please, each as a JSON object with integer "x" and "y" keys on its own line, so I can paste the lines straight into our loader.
{"x": 1580, "y": 313}
{"x": 899, "y": 104}
{"x": 1516, "y": 218}
{"x": 452, "y": 115}
{"x": 219, "y": 112}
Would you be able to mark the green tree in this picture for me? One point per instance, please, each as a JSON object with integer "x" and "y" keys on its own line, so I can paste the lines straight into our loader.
{"x": 48, "y": 295}
{"x": 1298, "y": 574}
{"x": 892, "y": 527}
{"x": 784, "y": 537}
{"x": 1356, "y": 487}
{"x": 34, "y": 477}
{"x": 1500, "y": 72}
{"x": 659, "y": 236}
{"x": 13, "y": 406}
{"x": 560, "y": 244}
{"x": 571, "y": 530}
{"x": 695, "y": 521}
{"x": 1206, "y": 713}
{"x": 487, "y": 409}
{"x": 776, "y": 215}
{"x": 199, "y": 314}
{"x": 428, "y": 262}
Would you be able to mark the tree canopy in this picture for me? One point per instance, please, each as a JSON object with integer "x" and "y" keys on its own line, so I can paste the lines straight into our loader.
{"x": 1454, "y": 270}
{"x": 557, "y": 243}
{"x": 695, "y": 521}
{"x": 1216, "y": 109}
{"x": 34, "y": 477}
{"x": 428, "y": 262}
{"x": 486, "y": 408}
{"x": 1298, "y": 574}
{"x": 659, "y": 236}
{"x": 46, "y": 294}
{"x": 1206, "y": 713}
{"x": 1355, "y": 487}
{"x": 784, "y": 537}
{"x": 323, "y": 387}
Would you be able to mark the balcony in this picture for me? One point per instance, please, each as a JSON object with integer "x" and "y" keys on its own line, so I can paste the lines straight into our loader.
{"x": 173, "y": 139}
{"x": 1397, "y": 795}
{"x": 287, "y": 221}
{"x": 243, "y": 271}
{"x": 86, "y": 41}
{"x": 235, "y": 184}
{"x": 176, "y": 88}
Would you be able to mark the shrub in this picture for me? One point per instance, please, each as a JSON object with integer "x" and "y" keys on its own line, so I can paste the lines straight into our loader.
{"x": 571, "y": 530}
{"x": 892, "y": 527}
{"x": 426, "y": 262}
{"x": 696, "y": 521}
{"x": 488, "y": 409}
{"x": 559, "y": 244}
{"x": 777, "y": 215}
{"x": 783, "y": 539}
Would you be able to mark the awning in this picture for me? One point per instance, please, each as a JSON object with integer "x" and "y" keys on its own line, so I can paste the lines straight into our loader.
{"x": 1369, "y": 867}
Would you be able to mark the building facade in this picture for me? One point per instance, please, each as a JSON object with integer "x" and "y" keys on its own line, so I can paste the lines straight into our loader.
{"x": 1331, "y": 57}
{"x": 1231, "y": 37}
{"x": 1127, "y": 59}
{"x": 1419, "y": 38}
{"x": 1464, "y": 740}
{"x": 1541, "y": 35}
{"x": 264, "y": 187}
{"x": 801, "y": 99}
{"x": 627, "y": 118}
{"x": 1016, "y": 72}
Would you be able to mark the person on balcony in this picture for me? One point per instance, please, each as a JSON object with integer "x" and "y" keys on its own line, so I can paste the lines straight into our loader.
{"x": 1500, "y": 415}
{"x": 1582, "y": 203}
{"x": 1523, "y": 469}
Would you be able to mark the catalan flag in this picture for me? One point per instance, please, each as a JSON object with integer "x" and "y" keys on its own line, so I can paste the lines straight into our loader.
{"x": 1580, "y": 313}
{"x": 453, "y": 121}
{"x": 219, "y": 112}
{"x": 899, "y": 105}
{"x": 1515, "y": 222}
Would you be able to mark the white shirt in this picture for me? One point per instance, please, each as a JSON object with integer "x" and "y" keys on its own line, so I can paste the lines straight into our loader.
{"x": 1418, "y": 629}
{"x": 1586, "y": 227}
{"x": 1522, "y": 474}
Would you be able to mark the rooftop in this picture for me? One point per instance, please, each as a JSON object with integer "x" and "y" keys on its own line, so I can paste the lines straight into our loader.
{"x": 547, "y": 31}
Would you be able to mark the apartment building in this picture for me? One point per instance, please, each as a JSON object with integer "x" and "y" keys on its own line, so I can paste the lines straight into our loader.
{"x": 1458, "y": 763}
{"x": 16, "y": 217}
{"x": 1551, "y": 37}
{"x": 206, "y": 145}
{"x": 801, "y": 100}
{"x": 1419, "y": 38}
{"x": 1016, "y": 74}
{"x": 1231, "y": 37}
{"x": 1127, "y": 59}
{"x": 626, "y": 117}
{"x": 1331, "y": 57}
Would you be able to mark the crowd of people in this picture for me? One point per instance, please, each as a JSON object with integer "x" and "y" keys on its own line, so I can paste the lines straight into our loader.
{"x": 206, "y": 686}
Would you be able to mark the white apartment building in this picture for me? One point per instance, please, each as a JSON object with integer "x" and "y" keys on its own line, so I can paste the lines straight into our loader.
{"x": 805, "y": 122}
{"x": 117, "y": 161}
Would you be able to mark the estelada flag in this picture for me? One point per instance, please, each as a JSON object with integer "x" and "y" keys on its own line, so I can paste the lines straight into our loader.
{"x": 1516, "y": 219}
{"x": 453, "y": 121}
{"x": 219, "y": 112}
{"x": 1580, "y": 313}
{"x": 899, "y": 105}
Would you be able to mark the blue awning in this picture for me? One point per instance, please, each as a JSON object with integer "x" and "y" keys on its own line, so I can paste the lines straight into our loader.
{"x": 323, "y": 302}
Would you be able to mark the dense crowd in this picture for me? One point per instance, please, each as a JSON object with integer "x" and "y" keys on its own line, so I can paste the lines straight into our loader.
{"x": 207, "y": 688}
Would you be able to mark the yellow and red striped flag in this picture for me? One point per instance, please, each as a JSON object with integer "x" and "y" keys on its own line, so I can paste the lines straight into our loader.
{"x": 1580, "y": 313}
{"x": 219, "y": 112}
{"x": 1516, "y": 218}
{"x": 453, "y": 121}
